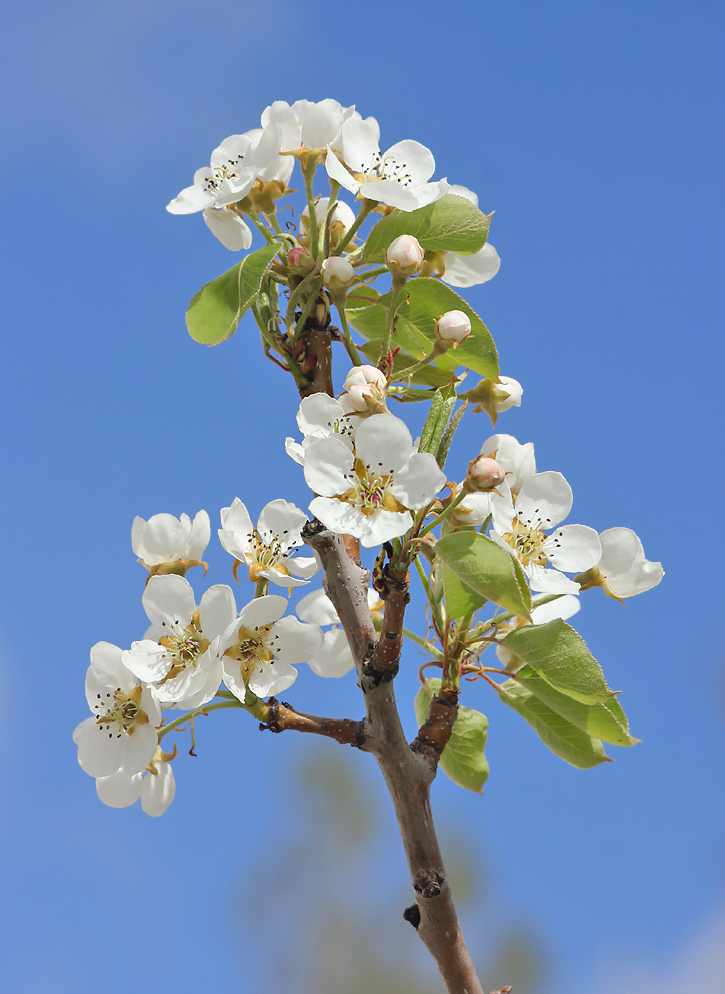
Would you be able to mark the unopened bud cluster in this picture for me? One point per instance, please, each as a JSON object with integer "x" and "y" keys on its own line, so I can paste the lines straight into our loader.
{"x": 365, "y": 390}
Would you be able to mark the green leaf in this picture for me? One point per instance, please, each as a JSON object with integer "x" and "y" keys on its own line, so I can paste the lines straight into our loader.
{"x": 599, "y": 720}
{"x": 459, "y": 597}
{"x": 564, "y": 739}
{"x": 487, "y": 569}
{"x": 463, "y": 759}
{"x": 435, "y": 424}
{"x": 560, "y": 655}
{"x": 447, "y": 436}
{"x": 451, "y": 224}
{"x": 216, "y": 310}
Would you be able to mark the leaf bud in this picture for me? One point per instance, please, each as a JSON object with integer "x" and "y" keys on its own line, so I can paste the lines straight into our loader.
{"x": 483, "y": 474}
{"x": 453, "y": 327}
{"x": 337, "y": 273}
{"x": 404, "y": 256}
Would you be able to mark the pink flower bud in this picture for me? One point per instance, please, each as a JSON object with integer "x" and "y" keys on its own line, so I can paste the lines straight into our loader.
{"x": 484, "y": 473}
{"x": 454, "y": 326}
{"x": 337, "y": 273}
{"x": 299, "y": 260}
{"x": 360, "y": 375}
{"x": 404, "y": 256}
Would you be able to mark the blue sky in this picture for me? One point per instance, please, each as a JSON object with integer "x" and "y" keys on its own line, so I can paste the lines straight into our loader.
{"x": 591, "y": 130}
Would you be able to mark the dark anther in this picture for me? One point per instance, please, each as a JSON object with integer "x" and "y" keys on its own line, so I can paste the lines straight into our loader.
{"x": 412, "y": 915}
{"x": 428, "y": 883}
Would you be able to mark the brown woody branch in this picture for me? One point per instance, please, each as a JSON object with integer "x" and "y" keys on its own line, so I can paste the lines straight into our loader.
{"x": 408, "y": 771}
{"x": 283, "y": 717}
{"x": 434, "y": 734}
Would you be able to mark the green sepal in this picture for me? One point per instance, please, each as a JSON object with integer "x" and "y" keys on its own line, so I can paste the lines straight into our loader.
{"x": 216, "y": 310}
{"x": 563, "y": 738}
{"x": 463, "y": 760}
{"x": 560, "y": 655}
{"x": 488, "y": 569}
{"x": 451, "y": 224}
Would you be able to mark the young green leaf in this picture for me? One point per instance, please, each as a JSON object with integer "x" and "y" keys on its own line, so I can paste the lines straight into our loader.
{"x": 488, "y": 569}
{"x": 443, "y": 403}
{"x": 598, "y": 720}
{"x": 564, "y": 739}
{"x": 460, "y": 599}
{"x": 451, "y": 224}
{"x": 560, "y": 655}
{"x": 463, "y": 759}
{"x": 216, "y": 310}
{"x": 447, "y": 436}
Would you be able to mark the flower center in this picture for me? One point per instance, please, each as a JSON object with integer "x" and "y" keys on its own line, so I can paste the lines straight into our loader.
{"x": 387, "y": 168}
{"x": 254, "y": 647}
{"x": 370, "y": 493}
{"x": 527, "y": 539}
{"x": 120, "y": 712}
{"x": 185, "y": 646}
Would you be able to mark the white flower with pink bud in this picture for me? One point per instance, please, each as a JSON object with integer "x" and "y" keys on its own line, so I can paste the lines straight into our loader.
{"x": 484, "y": 474}
{"x": 337, "y": 273}
{"x": 299, "y": 260}
{"x": 404, "y": 256}
{"x": 366, "y": 388}
{"x": 453, "y": 327}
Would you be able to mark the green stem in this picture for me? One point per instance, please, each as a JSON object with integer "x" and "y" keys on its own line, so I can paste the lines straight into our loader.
{"x": 508, "y": 615}
{"x": 409, "y": 370}
{"x": 297, "y": 293}
{"x": 204, "y": 709}
{"x": 334, "y": 190}
{"x": 436, "y": 653}
{"x": 260, "y": 227}
{"x": 261, "y": 589}
{"x": 349, "y": 344}
{"x": 309, "y": 174}
{"x": 398, "y": 292}
{"x": 273, "y": 220}
{"x": 372, "y": 274}
{"x": 307, "y": 309}
{"x": 444, "y": 514}
{"x": 367, "y": 206}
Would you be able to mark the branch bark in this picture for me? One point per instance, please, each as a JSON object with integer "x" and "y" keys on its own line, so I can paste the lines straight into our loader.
{"x": 408, "y": 772}
{"x": 283, "y": 717}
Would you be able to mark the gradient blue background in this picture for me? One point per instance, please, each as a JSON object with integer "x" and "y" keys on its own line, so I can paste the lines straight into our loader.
{"x": 590, "y": 130}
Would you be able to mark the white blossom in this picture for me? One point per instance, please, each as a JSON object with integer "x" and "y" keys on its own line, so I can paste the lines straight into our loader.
{"x": 334, "y": 658}
{"x": 164, "y": 539}
{"x": 342, "y": 219}
{"x": 260, "y": 647}
{"x": 395, "y": 177}
{"x": 623, "y": 570}
{"x": 337, "y": 273}
{"x": 404, "y": 256}
{"x": 369, "y": 492}
{"x": 309, "y": 125}
{"x": 235, "y": 165}
{"x": 508, "y": 393}
{"x": 156, "y": 788}
{"x": 521, "y": 526}
{"x": 516, "y": 458}
{"x": 364, "y": 390}
{"x": 319, "y": 416}
{"x": 178, "y": 654}
{"x": 267, "y": 550}
{"x": 121, "y": 735}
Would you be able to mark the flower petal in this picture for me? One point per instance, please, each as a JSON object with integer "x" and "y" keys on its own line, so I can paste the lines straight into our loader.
{"x": 303, "y": 566}
{"x": 470, "y": 270}
{"x": 383, "y": 444}
{"x": 282, "y": 521}
{"x": 262, "y": 611}
{"x": 328, "y": 463}
{"x": 319, "y": 413}
{"x": 119, "y": 790}
{"x": 334, "y": 659}
{"x": 389, "y": 192}
{"x": 231, "y": 230}
{"x": 417, "y": 483}
{"x": 409, "y": 160}
{"x": 359, "y": 144}
{"x": 99, "y": 751}
{"x": 148, "y": 660}
{"x": 620, "y": 549}
{"x": 139, "y": 748}
{"x": 169, "y": 599}
{"x": 544, "y": 498}
{"x": 317, "y": 609}
{"x": 107, "y": 672}
{"x": 573, "y": 548}
{"x": 295, "y": 642}
{"x": 549, "y": 581}
{"x": 217, "y": 610}
{"x": 383, "y": 526}
{"x": 157, "y": 792}
{"x": 272, "y": 678}
{"x": 565, "y": 607}
{"x": 337, "y": 172}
